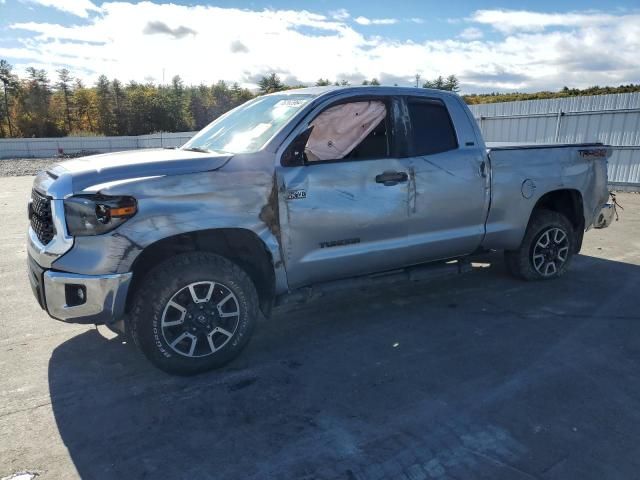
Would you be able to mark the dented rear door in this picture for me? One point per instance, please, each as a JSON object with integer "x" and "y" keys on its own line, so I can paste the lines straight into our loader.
{"x": 450, "y": 184}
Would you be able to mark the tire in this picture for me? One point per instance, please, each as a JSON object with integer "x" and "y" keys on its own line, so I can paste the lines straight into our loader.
{"x": 546, "y": 250}
{"x": 193, "y": 295}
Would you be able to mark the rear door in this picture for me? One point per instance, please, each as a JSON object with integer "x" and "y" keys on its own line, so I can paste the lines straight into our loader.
{"x": 348, "y": 216}
{"x": 450, "y": 201}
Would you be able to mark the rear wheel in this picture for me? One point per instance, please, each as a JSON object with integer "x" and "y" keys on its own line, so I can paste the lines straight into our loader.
{"x": 194, "y": 312}
{"x": 546, "y": 249}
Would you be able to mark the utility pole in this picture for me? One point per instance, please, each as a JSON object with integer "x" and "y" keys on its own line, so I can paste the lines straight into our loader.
{"x": 417, "y": 80}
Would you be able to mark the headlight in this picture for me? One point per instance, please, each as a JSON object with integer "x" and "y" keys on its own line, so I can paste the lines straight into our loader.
{"x": 97, "y": 214}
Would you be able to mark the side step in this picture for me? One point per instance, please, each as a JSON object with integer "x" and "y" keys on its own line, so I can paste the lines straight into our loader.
{"x": 417, "y": 273}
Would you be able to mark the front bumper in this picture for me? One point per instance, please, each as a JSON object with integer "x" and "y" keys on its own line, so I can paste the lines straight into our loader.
{"x": 78, "y": 298}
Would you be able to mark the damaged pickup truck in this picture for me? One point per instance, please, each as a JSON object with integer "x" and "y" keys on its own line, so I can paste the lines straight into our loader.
{"x": 185, "y": 249}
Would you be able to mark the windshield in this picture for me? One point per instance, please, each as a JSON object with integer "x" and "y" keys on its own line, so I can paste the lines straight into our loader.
{"x": 248, "y": 127}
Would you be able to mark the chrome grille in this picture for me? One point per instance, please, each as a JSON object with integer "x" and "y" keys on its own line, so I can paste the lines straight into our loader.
{"x": 41, "y": 217}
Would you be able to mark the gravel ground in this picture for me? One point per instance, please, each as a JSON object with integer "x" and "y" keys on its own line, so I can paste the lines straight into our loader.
{"x": 17, "y": 167}
{"x": 475, "y": 377}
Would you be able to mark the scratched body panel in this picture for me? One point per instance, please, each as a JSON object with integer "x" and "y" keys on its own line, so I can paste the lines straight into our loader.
{"x": 230, "y": 197}
{"x": 552, "y": 168}
{"x": 343, "y": 202}
{"x": 452, "y": 193}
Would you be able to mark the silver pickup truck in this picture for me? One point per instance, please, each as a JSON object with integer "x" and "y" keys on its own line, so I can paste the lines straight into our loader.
{"x": 184, "y": 249}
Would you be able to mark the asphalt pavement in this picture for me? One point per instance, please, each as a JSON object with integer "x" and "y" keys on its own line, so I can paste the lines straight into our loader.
{"x": 476, "y": 376}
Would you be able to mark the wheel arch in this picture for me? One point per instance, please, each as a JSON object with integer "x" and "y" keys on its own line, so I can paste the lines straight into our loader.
{"x": 568, "y": 202}
{"x": 241, "y": 246}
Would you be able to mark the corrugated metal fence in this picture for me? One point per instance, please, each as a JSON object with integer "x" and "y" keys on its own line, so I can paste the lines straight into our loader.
{"x": 50, "y": 147}
{"x": 611, "y": 119}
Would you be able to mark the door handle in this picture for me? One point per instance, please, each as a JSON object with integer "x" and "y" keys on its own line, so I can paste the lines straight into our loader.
{"x": 391, "y": 178}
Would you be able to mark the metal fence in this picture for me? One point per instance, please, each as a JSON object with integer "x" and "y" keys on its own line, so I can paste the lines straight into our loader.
{"x": 611, "y": 119}
{"x": 51, "y": 147}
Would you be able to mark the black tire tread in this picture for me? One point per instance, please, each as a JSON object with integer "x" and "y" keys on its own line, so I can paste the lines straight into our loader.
{"x": 152, "y": 286}
{"x": 518, "y": 262}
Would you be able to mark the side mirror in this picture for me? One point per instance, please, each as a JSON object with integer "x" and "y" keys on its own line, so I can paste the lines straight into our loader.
{"x": 293, "y": 156}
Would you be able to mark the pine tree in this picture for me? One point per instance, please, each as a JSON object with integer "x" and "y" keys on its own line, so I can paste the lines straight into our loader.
{"x": 452, "y": 84}
{"x": 35, "y": 103}
{"x": 178, "y": 111}
{"x": 9, "y": 83}
{"x": 271, "y": 83}
{"x": 64, "y": 86}
{"x": 119, "y": 106}
{"x": 106, "y": 118}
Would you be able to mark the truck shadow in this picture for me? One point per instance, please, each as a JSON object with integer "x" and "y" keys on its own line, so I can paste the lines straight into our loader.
{"x": 475, "y": 376}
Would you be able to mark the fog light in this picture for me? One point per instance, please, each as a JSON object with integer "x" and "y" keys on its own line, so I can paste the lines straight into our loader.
{"x": 75, "y": 294}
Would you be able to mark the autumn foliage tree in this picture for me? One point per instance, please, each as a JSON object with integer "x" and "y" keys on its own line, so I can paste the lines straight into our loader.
{"x": 35, "y": 106}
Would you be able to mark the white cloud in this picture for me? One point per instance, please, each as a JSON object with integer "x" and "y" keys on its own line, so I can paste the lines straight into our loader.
{"x": 417, "y": 20}
{"x": 340, "y": 14}
{"x": 521, "y": 20}
{"x": 471, "y": 33}
{"x": 205, "y": 44}
{"x": 375, "y": 21}
{"x": 81, "y": 8}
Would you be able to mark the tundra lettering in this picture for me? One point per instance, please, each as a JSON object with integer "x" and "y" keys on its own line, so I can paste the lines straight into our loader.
{"x": 338, "y": 243}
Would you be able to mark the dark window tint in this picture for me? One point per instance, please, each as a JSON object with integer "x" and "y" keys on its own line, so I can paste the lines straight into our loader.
{"x": 432, "y": 128}
{"x": 374, "y": 145}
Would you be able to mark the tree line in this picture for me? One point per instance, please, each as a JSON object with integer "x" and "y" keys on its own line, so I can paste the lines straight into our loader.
{"x": 38, "y": 106}
{"x": 565, "y": 92}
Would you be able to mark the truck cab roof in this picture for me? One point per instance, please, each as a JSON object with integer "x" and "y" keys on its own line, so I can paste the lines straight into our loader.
{"x": 364, "y": 89}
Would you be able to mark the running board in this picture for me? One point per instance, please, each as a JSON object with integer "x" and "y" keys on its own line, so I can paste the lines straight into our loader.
{"x": 419, "y": 273}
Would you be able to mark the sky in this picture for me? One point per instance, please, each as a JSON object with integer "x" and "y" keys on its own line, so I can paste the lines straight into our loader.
{"x": 489, "y": 45}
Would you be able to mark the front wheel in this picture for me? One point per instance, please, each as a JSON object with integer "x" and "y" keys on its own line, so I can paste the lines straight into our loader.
{"x": 546, "y": 249}
{"x": 194, "y": 312}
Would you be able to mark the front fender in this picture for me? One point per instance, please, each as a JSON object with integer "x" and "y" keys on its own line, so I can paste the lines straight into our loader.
{"x": 174, "y": 205}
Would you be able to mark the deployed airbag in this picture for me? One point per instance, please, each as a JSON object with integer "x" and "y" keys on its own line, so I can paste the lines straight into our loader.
{"x": 340, "y": 129}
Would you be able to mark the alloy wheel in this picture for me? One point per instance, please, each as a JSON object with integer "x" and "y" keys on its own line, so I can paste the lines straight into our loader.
{"x": 550, "y": 252}
{"x": 200, "y": 319}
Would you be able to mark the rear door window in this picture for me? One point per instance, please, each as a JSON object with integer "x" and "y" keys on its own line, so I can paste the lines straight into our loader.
{"x": 432, "y": 130}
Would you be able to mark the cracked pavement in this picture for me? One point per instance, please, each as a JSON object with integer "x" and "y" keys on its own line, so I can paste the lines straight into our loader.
{"x": 475, "y": 376}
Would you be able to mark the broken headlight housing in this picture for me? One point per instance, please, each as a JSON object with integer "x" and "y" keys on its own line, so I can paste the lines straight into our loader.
{"x": 97, "y": 214}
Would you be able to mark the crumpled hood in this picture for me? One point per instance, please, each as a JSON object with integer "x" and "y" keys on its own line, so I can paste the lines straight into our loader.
{"x": 109, "y": 167}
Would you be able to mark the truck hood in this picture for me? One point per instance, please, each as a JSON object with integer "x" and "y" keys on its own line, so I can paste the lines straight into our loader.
{"x": 109, "y": 167}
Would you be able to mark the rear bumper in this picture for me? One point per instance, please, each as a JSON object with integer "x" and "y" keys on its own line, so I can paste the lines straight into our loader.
{"x": 605, "y": 216}
{"x": 78, "y": 298}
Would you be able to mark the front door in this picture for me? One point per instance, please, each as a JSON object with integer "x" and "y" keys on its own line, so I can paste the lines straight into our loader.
{"x": 347, "y": 216}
